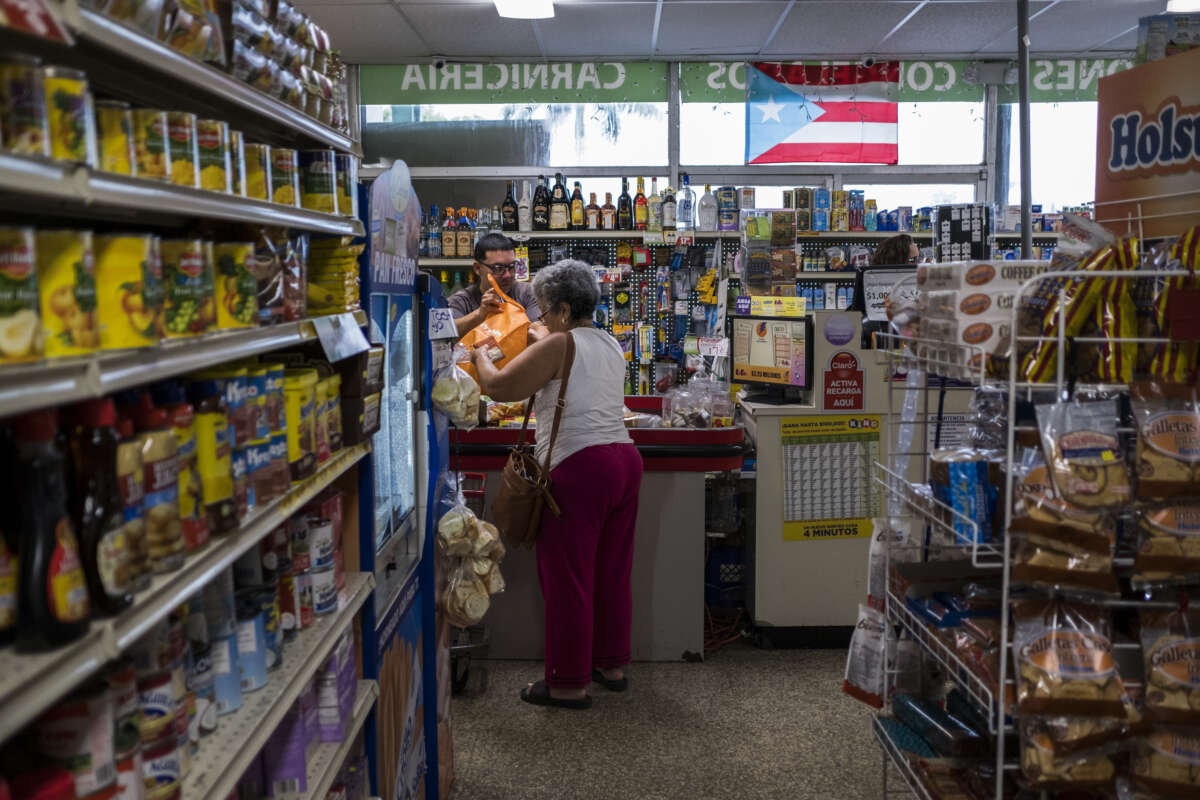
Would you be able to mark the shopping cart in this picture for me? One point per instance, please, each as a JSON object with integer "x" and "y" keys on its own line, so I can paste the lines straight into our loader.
{"x": 468, "y": 643}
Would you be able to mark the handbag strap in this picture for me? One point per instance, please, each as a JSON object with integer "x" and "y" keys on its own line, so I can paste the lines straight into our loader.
{"x": 568, "y": 362}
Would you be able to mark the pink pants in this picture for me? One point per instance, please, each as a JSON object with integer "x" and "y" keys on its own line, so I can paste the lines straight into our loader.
{"x": 585, "y": 559}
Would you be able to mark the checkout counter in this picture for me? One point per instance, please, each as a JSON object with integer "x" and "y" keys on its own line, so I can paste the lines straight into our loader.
{"x": 668, "y": 560}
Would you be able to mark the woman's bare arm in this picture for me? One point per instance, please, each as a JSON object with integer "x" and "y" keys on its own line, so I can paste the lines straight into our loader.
{"x": 536, "y": 366}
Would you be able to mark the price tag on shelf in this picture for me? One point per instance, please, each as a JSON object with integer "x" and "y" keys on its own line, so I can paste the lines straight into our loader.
{"x": 340, "y": 336}
{"x": 685, "y": 240}
{"x": 34, "y": 17}
{"x": 713, "y": 346}
{"x": 441, "y": 324}
{"x": 655, "y": 237}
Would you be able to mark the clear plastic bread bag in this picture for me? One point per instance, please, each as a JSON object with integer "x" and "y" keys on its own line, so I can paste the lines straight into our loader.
{"x": 455, "y": 393}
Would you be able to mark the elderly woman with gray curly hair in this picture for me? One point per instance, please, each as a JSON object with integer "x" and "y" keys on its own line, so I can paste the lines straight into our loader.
{"x": 585, "y": 556}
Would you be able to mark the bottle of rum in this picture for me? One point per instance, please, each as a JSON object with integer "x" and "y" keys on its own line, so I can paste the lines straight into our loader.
{"x": 541, "y": 206}
{"x": 449, "y": 235}
{"x": 592, "y": 214}
{"x": 496, "y": 223}
{"x": 434, "y": 234}
{"x": 707, "y": 215}
{"x": 560, "y": 205}
{"x": 608, "y": 213}
{"x": 668, "y": 209}
{"x": 577, "y": 216}
{"x": 685, "y": 210}
{"x": 654, "y": 215}
{"x": 465, "y": 234}
{"x": 624, "y": 208}
{"x": 640, "y": 213}
{"x": 525, "y": 211}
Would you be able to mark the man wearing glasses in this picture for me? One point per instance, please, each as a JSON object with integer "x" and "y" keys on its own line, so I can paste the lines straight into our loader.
{"x": 470, "y": 306}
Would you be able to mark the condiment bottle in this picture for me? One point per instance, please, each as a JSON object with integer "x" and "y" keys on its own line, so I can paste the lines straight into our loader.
{"x": 99, "y": 510}
{"x": 53, "y": 605}
{"x": 172, "y": 398}
{"x": 160, "y": 464}
{"x": 213, "y": 455}
{"x": 131, "y": 482}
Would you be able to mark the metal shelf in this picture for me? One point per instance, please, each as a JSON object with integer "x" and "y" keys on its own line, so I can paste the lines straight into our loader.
{"x": 445, "y": 262}
{"x": 903, "y": 765}
{"x": 324, "y": 764}
{"x": 843, "y": 275}
{"x": 31, "y": 683}
{"x": 24, "y": 387}
{"x": 225, "y": 755}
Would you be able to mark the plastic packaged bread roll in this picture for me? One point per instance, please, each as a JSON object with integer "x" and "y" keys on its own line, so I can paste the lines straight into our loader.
{"x": 1044, "y": 771}
{"x": 1168, "y": 440}
{"x": 466, "y": 597}
{"x": 1045, "y": 519}
{"x": 1168, "y": 545}
{"x": 1171, "y": 652}
{"x": 457, "y": 532}
{"x": 1165, "y": 763}
{"x": 1065, "y": 570}
{"x": 1081, "y": 445}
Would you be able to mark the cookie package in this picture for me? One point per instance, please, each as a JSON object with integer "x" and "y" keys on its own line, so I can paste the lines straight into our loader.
{"x": 1168, "y": 545}
{"x": 1167, "y": 763}
{"x": 1041, "y": 516}
{"x": 1171, "y": 651}
{"x": 1042, "y": 769}
{"x": 1168, "y": 439}
{"x": 1081, "y": 445}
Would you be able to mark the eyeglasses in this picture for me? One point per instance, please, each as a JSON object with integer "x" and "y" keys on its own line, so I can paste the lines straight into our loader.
{"x": 499, "y": 269}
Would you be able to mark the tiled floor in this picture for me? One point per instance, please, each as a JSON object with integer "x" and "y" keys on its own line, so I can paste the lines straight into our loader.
{"x": 747, "y": 724}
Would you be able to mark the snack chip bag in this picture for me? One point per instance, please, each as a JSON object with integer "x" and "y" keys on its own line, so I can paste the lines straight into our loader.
{"x": 1168, "y": 441}
{"x": 507, "y": 332}
{"x": 1064, "y": 659}
{"x": 1171, "y": 649}
{"x": 1080, "y": 442}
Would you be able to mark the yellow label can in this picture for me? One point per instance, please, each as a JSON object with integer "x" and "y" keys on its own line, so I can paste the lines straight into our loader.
{"x": 66, "y": 108}
{"x": 150, "y": 142}
{"x": 181, "y": 145}
{"x": 114, "y": 126}
{"x": 258, "y": 171}
{"x": 285, "y": 177}
{"x": 21, "y": 335}
{"x": 24, "y": 128}
{"x": 188, "y": 281}
{"x": 212, "y": 146}
{"x": 299, "y": 393}
{"x": 67, "y": 282}
{"x": 237, "y": 288}
{"x": 347, "y": 183}
{"x": 129, "y": 291}
{"x": 318, "y": 181}
{"x": 237, "y": 163}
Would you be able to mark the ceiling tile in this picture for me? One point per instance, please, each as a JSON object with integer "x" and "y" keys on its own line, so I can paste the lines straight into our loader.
{"x": 578, "y": 31}
{"x": 1079, "y": 25}
{"x": 700, "y": 29}
{"x": 368, "y": 33}
{"x": 472, "y": 31}
{"x": 824, "y": 28}
{"x": 955, "y": 28}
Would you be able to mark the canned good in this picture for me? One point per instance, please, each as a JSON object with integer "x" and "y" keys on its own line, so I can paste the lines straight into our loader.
{"x": 21, "y": 335}
{"x": 160, "y": 648}
{"x": 236, "y": 286}
{"x": 150, "y": 143}
{"x": 212, "y": 151}
{"x": 333, "y": 411}
{"x": 299, "y": 391}
{"x": 129, "y": 291}
{"x": 324, "y": 590}
{"x": 304, "y": 593}
{"x": 67, "y": 111}
{"x": 251, "y": 640}
{"x": 188, "y": 277}
{"x": 318, "y": 181}
{"x": 162, "y": 770}
{"x": 77, "y": 735}
{"x": 129, "y": 767}
{"x": 24, "y": 128}
{"x": 289, "y": 606}
{"x": 114, "y": 129}
{"x": 220, "y": 609}
{"x": 285, "y": 177}
{"x": 227, "y": 682}
{"x": 269, "y": 598}
{"x": 156, "y": 703}
{"x": 298, "y": 534}
{"x": 181, "y": 147}
{"x": 122, "y": 682}
{"x": 237, "y": 163}
{"x": 258, "y": 181}
{"x": 320, "y": 542}
{"x": 66, "y": 277}
{"x": 202, "y": 712}
{"x": 346, "y": 168}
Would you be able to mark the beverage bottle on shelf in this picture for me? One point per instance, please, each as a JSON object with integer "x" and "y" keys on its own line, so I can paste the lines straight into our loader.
{"x": 608, "y": 213}
{"x": 525, "y": 211}
{"x": 465, "y": 236}
{"x": 508, "y": 209}
{"x": 560, "y": 205}
{"x": 541, "y": 206}
{"x": 98, "y": 510}
{"x": 592, "y": 214}
{"x": 577, "y": 212}
{"x": 434, "y": 234}
{"x": 654, "y": 217}
{"x": 496, "y": 223}
{"x": 624, "y": 208}
{"x": 707, "y": 214}
{"x": 458, "y": 283}
{"x": 52, "y": 603}
{"x": 685, "y": 209}
{"x": 449, "y": 235}
{"x": 444, "y": 280}
{"x": 668, "y": 209}
{"x": 423, "y": 239}
{"x": 640, "y": 212}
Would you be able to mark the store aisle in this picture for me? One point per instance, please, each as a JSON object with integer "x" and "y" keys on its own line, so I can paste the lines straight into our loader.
{"x": 748, "y": 724}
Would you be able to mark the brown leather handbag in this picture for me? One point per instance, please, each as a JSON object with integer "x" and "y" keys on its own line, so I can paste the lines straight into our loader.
{"x": 525, "y": 487}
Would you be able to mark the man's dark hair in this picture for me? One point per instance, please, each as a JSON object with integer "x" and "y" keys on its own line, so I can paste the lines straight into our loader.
{"x": 490, "y": 243}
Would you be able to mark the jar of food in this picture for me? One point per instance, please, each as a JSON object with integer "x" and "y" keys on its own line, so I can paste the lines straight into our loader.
{"x": 114, "y": 128}
{"x": 285, "y": 177}
{"x": 190, "y": 307}
{"x": 67, "y": 282}
{"x": 181, "y": 147}
{"x": 299, "y": 390}
{"x": 132, "y": 483}
{"x": 212, "y": 147}
{"x": 237, "y": 163}
{"x": 236, "y": 286}
{"x": 258, "y": 184}
{"x": 24, "y": 126}
{"x": 213, "y": 457}
{"x": 160, "y": 462}
{"x": 21, "y": 335}
{"x": 171, "y": 397}
{"x": 318, "y": 181}
{"x": 77, "y": 734}
{"x": 71, "y": 129}
{"x": 150, "y": 143}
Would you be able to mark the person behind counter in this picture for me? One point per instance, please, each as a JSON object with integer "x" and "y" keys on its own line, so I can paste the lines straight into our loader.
{"x": 494, "y": 255}
{"x": 895, "y": 251}
{"x": 585, "y": 556}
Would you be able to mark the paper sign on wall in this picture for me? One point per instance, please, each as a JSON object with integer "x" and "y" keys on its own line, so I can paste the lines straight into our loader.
{"x": 441, "y": 324}
{"x": 829, "y": 491}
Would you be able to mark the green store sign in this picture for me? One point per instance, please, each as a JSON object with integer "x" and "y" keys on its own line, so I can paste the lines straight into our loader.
{"x": 1051, "y": 80}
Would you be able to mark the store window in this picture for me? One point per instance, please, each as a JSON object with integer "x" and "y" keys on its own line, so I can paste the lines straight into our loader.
{"x": 498, "y": 134}
{"x": 1063, "y": 150}
{"x": 917, "y": 195}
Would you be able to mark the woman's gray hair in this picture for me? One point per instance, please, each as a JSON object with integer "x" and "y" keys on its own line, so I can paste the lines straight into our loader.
{"x": 568, "y": 281}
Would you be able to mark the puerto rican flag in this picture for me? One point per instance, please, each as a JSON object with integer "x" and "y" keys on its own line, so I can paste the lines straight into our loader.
{"x": 803, "y": 113}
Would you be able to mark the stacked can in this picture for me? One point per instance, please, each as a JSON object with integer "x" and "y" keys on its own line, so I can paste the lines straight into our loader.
{"x": 77, "y": 735}
{"x": 160, "y": 659}
{"x": 220, "y": 616}
{"x": 233, "y": 381}
{"x": 276, "y": 410}
{"x": 127, "y": 746}
{"x": 301, "y": 603}
{"x": 321, "y": 549}
{"x": 251, "y": 639}
{"x": 256, "y": 574}
{"x": 328, "y": 505}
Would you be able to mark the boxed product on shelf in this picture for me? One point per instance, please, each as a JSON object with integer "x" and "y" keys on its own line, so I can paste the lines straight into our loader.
{"x": 336, "y": 684}
{"x": 291, "y": 746}
{"x": 360, "y": 418}
{"x": 1163, "y": 35}
{"x": 192, "y": 27}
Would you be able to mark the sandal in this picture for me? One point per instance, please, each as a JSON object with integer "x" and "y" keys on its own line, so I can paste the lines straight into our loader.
{"x": 539, "y": 695}
{"x": 618, "y": 685}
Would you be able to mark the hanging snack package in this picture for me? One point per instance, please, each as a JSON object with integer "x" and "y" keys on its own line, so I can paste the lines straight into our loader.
{"x": 1080, "y": 442}
{"x": 1171, "y": 649}
{"x": 1043, "y": 770}
{"x": 1115, "y": 320}
{"x": 1167, "y": 763}
{"x": 1064, "y": 658}
{"x": 456, "y": 394}
{"x": 1173, "y": 313}
{"x": 1071, "y": 572}
{"x": 1168, "y": 546}
{"x": 1168, "y": 441}
{"x": 1040, "y": 516}
{"x": 466, "y": 599}
{"x": 865, "y": 673}
{"x": 889, "y": 542}
{"x": 457, "y": 531}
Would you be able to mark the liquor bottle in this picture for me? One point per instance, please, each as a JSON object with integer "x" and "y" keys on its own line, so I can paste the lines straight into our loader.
{"x": 608, "y": 213}
{"x": 668, "y": 209}
{"x": 457, "y": 286}
{"x": 541, "y": 206}
{"x": 640, "y": 212}
{"x": 654, "y": 217}
{"x": 423, "y": 239}
{"x": 525, "y": 211}
{"x": 560, "y": 205}
{"x": 624, "y": 208}
{"x": 496, "y": 223}
{"x": 434, "y": 234}
{"x": 449, "y": 235}
{"x": 577, "y": 216}
{"x": 708, "y": 210}
{"x": 592, "y": 214}
{"x": 465, "y": 231}
{"x": 685, "y": 209}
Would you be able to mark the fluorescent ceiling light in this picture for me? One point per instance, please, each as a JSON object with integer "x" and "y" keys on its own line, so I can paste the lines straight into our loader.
{"x": 525, "y": 9}
{"x": 1183, "y": 6}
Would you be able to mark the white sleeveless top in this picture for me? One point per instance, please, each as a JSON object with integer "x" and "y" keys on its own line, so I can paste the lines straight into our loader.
{"x": 595, "y": 401}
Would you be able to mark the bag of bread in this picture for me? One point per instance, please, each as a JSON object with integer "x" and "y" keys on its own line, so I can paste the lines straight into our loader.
{"x": 1041, "y": 517}
{"x": 457, "y": 531}
{"x": 1168, "y": 545}
{"x": 466, "y": 598}
{"x": 1172, "y": 313}
{"x": 1168, "y": 439}
{"x": 1045, "y": 770}
{"x": 1072, "y": 739}
{"x": 1171, "y": 650}
{"x": 1167, "y": 763}
{"x": 456, "y": 394}
{"x": 1064, "y": 658}
{"x": 1081, "y": 445}
{"x": 1065, "y": 570}
{"x": 865, "y": 663}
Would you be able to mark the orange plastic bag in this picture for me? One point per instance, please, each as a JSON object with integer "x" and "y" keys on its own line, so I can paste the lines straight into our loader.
{"x": 508, "y": 330}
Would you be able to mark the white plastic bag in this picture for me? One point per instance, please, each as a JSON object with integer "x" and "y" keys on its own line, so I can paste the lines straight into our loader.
{"x": 866, "y": 661}
{"x": 456, "y": 394}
